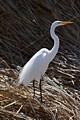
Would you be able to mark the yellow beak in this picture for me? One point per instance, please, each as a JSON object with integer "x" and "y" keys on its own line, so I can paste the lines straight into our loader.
{"x": 67, "y": 22}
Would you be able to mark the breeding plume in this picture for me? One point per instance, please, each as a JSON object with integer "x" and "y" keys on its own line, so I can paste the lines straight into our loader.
{"x": 36, "y": 67}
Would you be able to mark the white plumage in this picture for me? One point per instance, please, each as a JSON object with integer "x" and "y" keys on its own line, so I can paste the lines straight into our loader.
{"x": 36, "y": 67}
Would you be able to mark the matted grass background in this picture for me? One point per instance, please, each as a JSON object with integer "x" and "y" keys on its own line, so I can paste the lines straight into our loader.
{"x": 25, "y": 26}
{"x": 25, "y": 29}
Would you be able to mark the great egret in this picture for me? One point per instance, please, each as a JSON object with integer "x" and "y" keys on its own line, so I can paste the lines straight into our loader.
{"x": 36, "y": 67}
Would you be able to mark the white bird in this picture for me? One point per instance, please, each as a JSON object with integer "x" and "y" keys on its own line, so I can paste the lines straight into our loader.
{"x": 36, "y": 67}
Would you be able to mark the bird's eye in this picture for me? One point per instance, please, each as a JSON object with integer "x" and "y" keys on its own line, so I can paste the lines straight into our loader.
{"x": 59, "y": 22}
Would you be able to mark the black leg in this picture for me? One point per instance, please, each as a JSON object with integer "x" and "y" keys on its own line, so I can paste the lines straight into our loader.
{"x": 40, "y": 90}
{"x": 33, "y": 88}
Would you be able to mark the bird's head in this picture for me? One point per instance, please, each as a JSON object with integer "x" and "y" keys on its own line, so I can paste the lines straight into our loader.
{"x": 60, "y": 23}
{"x": 56, "y": 24}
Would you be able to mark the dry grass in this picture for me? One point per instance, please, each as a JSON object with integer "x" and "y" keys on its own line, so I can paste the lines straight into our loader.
{"x": 24, "y": 29}
{"x": 60, "y": 101}
{"x": 25, "y": 26}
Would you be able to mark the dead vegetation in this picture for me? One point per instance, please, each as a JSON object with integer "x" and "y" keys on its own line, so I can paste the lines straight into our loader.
{"x": 24, "y": 29}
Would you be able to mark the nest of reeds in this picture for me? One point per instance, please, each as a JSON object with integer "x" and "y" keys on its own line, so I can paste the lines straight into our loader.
{"x": 24, "y": 29}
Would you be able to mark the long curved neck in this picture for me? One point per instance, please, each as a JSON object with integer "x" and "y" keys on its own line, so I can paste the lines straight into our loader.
{"x": 54, "y": 50}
